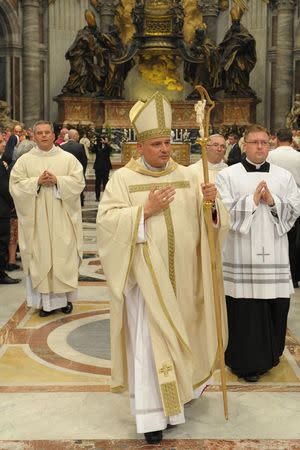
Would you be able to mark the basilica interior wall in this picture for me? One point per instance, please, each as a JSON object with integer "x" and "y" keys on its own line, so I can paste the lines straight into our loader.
{"x": 255, "y": 20}
{"x": 66, "y": 18}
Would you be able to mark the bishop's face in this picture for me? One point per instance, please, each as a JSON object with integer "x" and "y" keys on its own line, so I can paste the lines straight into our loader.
{"x": 257, "y": 146}
{"x": 156, "y": 151}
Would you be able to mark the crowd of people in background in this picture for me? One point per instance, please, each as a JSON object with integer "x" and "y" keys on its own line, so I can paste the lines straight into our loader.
{"x": 19, "y": 140}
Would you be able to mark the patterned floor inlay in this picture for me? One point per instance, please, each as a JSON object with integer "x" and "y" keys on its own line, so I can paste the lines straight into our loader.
{"x": 56, "y": 370}
{"x": 166, "y": 444}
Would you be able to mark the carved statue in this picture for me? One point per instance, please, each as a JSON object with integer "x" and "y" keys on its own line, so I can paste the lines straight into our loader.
{"x": 86, "y": 60}
{"x": 205, "y": 71}
{"x": 115, "y": 73}
{"x": 5, "y": 120}
{"x": 92, "y": 70}
{"x": 238, "y": 57}
{"x": 200, "y": 111}
{"x": 178, "y": 17}
{"x": 138, "y": 17}
{"x": 293, "y": 117}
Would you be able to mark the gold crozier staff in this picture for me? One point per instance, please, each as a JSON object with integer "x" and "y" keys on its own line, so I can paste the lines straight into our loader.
{"x": 202, "y": 118}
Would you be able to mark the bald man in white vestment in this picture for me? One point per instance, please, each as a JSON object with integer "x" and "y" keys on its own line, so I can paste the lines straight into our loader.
{"x": 154, "y": 251}
{"x": 45, "y": 184}
{"x": 215, "y": 150}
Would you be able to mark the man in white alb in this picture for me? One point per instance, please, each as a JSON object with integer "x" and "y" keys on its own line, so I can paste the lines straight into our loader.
{"x": 216, "y": 148}
{"x": 45, "y": 184}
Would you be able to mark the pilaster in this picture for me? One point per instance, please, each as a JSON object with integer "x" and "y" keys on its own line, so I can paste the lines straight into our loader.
{"x": 31, "y": 62}
{"x": 284, "y": 60}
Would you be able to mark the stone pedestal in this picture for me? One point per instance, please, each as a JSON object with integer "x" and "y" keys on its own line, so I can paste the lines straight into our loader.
{"x": 84, "y": 110}
{"x": 98, "y": 112}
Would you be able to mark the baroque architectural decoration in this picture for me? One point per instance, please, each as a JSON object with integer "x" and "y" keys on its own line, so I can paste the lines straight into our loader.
{"x": 170, "y": 45}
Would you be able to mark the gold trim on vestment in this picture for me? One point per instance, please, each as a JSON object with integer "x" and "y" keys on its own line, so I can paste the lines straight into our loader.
{"x": 147, "y": 187}
{"x": 171, "y": 246}
{"x": 170, "y": 398}
{"x": 117, "y": 388}
{"x": 136, "y": 166}
{"x": 133, "y": 242}
{"x": 160, "y": 297}
{"x": 165, "y": 369}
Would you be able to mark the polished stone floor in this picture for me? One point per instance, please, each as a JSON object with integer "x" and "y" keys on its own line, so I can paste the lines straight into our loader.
{"x": 55, "y": 376}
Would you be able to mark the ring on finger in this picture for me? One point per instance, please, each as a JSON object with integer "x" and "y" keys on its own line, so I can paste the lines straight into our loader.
{"x": 164, "y": 199}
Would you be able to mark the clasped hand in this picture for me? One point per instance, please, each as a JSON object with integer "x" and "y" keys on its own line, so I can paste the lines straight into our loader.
{"x": 262, "y": 193}
{"x": 158, "y": 200}
{"x": 47, "y": 179}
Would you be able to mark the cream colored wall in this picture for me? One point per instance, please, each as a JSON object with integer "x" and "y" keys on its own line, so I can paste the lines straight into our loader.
{"x": 66, "y": 17}
{"x": 255, "y": 21}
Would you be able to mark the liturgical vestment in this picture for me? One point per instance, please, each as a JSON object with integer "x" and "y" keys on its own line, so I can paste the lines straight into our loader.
{"x": 168, "y": 274}
{"x": 213, "y": 170}
{"x": 49, "y": 219}
{"x": 256, "y": 268}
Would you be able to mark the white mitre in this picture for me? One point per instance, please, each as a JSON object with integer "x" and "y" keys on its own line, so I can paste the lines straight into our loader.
{"x": 151, "y": 119}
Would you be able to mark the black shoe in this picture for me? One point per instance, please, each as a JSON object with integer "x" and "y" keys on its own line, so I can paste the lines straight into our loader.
{"x": 6, "y": 279}
{"x": 97, "y": 199}
{"x": 154, "y": 437}
{"x": 43, "y": 313}
{"x": 295, "y": 284}
{"x": 253, "y": 378}
{"x": 10, "y": 267}
{"x": 67, "y": 309}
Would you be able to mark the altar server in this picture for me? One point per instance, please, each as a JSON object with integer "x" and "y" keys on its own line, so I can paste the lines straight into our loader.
{"x": 264, "y": 202}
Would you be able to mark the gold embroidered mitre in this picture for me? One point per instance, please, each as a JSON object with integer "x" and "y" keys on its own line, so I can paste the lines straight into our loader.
{"x": 151, "y": 119}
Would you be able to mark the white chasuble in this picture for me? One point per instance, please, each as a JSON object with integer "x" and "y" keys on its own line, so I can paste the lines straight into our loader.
{"x": 50, "y": 228}
{"x": 255, "y": 255}
{"x": 171, "y": 269}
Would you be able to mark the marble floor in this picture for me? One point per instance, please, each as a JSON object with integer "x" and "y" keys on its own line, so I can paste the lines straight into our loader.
{"x": 55, "y": 376}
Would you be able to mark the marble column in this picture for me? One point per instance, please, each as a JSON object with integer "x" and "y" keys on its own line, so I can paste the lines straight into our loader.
{"x": 31, "y": 62}
{"x": 210, "y": 10}
{"x": 107, "y": 9}
{"x": 284, "y": 61}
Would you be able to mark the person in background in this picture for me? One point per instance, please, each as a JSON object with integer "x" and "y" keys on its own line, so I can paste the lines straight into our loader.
{"x": 216, "y": 148}
{"x": 72, "y": 146}
{"x": 102, "y": 165}
{"x": 6, "y": 205}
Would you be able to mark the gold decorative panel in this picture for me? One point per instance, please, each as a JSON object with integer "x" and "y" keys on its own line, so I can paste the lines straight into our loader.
{"x": 157, "y": 26}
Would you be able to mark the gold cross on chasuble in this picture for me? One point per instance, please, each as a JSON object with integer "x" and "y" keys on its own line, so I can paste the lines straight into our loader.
{"x": 165, "y": 370}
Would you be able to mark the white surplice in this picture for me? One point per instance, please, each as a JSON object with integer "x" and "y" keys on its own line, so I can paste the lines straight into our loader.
{"x": 255, "y": 255}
